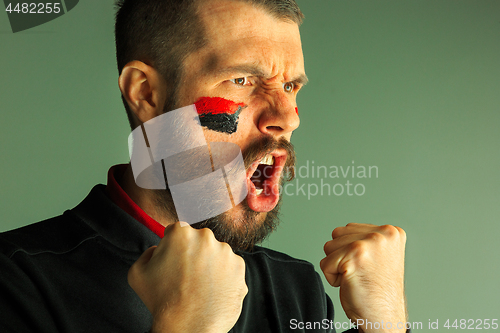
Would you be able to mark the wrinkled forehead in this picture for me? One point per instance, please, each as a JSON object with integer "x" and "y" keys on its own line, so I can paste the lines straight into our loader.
{"x": 239, "y": 32}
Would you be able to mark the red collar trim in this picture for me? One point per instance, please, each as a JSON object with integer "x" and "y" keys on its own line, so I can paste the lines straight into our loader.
{"x": 122, "y": 200}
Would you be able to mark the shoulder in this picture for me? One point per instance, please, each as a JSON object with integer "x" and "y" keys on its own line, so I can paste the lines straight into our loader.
{"x": 56, "y": 235}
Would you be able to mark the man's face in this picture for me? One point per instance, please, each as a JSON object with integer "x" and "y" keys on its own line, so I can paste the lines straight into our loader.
{"x": 251, "y": 70}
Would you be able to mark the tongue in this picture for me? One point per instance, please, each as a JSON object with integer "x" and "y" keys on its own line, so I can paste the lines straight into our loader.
{"x": 267, "y": 200}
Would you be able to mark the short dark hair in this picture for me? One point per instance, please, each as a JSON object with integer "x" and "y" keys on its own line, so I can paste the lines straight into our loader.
{"x": 162, "y": 33}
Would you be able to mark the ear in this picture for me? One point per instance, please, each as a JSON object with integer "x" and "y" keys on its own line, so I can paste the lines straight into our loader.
{"x": 144, "y": 90}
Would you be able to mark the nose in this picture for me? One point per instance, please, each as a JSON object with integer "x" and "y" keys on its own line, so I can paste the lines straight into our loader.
{"x": 280, "y": 118}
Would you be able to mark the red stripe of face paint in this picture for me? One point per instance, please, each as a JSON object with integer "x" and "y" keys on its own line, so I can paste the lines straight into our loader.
{"x": 297, "y": 110}
{"x": 217, "y": 105}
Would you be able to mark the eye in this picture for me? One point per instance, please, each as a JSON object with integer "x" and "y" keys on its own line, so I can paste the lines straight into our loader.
{"x": 242, "y": 81}
{"x": 289, "y": 87}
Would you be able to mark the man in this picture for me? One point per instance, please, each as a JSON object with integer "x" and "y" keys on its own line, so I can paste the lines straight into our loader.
{"x": 71, "y": 273}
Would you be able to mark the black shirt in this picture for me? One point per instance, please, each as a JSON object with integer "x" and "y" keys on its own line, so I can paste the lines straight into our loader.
{"x": 69, "y": 274}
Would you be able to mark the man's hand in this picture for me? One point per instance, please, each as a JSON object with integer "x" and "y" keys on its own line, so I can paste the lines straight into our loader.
{"x": 367, "y": 262}
{"x": 190, "y": 282}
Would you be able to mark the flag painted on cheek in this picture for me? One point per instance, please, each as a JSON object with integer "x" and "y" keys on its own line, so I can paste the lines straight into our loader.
{"x": 219, "y": 114}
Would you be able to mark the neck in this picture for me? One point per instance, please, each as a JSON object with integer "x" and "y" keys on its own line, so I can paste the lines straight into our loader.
{"x": 145, "y": 199}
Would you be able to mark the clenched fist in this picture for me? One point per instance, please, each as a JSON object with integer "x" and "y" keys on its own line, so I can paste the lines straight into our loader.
{"x": 190, "y": 282}
{"x": 367, "y": 262}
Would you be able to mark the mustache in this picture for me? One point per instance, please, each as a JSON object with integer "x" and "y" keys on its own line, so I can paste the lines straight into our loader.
{"x": 261, "y": 147}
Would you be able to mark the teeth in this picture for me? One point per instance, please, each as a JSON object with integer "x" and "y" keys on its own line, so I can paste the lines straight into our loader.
{"x": 259, "y": 190}
{"x": 268, "y": 160}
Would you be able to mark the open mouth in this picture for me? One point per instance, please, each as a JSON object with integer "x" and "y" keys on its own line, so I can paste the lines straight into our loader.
{"x": 263, "y": 181}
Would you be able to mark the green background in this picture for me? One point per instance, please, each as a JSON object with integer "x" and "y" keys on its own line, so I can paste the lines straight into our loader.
{"x": 412, "y": 87}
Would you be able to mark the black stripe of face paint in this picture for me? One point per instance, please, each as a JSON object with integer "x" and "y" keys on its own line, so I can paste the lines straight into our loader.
{"x": 222, "y": 122}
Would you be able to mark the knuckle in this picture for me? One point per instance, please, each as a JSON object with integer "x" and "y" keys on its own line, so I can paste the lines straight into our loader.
{"x": 327, "y": 246}
{"x": 240, "y": 262}
{"x": 168, "y": 230}
{"x": 207, "y": 234}
{"x": 227, "y": 248}
{"x": 389, "y": 230}
{"x": 375, "y": 236}
{"x": 322, "y": 264}
{"x": 175, "y": 232}
{"x": 325, "y": 265}
{"x": 358, "y": 247}
{"x": 337, "y": 232}
{"x": 402, "y": 233}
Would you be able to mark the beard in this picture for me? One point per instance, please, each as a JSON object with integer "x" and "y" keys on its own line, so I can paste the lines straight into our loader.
{"x": 240, "y": 227}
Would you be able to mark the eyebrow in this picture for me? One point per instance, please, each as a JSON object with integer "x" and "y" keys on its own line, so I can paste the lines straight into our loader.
{"x": 255, "y": 70}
